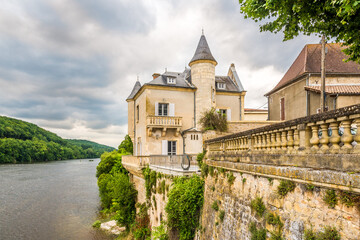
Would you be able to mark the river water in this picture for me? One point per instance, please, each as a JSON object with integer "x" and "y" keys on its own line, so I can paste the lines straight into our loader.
{"x": 50, "y": 201}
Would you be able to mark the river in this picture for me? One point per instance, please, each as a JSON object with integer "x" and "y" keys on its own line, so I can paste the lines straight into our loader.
{"x": 51, "y": 201}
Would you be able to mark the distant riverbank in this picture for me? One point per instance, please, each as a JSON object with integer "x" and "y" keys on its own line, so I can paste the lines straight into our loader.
{"x": 49, "y": 200}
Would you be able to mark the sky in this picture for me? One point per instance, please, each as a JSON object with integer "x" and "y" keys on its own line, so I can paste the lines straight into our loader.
{"x": 68, "y": 66}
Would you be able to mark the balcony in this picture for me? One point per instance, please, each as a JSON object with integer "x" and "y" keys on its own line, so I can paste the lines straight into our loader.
{"x": 178, "y": 165}
{"x": 163, "y": 123}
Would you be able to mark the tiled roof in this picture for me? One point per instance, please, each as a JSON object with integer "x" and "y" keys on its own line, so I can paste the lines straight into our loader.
{"x": 309, "y": 61}
{"x": 202, "y": 51}
{"x": 336, "y": 89}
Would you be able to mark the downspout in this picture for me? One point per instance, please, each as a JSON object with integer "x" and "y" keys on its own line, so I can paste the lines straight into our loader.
{"x": 268, "y": 118}
{"x": 307, "y": 96}
{"x": 135, "y": 149}
{"x": 240, "y": 108}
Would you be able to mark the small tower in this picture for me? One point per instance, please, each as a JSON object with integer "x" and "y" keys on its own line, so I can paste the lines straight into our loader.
{"x": 203, "y": 77}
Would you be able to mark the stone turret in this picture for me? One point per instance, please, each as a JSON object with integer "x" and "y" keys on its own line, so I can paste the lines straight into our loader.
{"x": 203, "y": 77}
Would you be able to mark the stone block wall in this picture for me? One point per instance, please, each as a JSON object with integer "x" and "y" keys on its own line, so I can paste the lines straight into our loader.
{"x": 298, "y": 210}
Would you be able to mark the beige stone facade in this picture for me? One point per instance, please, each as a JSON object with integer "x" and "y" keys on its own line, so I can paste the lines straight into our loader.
{"x": 164, "y": 113}
{"x": 298, "y": 92}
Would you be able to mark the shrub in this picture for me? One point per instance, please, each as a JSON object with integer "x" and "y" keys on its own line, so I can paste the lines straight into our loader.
{"x": 270, "y": 181}
{"x": 257, "y": 234}
{"x": 244, "y": 180}
{"x": 222, "y": 215}
{"x": 204, "y": 170}
{"x": 274, "y": 220}
{"x": 150, "y": 181}
{"x": 258, "y": 205}
{"x": 200, "y": 158}
{"x": 96, "y": 224}
{"x": 231, "y": 178}
{"x": 124, "y": 197}
{"x": 330, "y": 198}
{"x": 349, "y": 199}
{"x": 211, "y": 120}
{"x": 186, "y": 198}
{"x": 310, "y": 187}
{"x": 141, "y": 226}
{"x": 309, "y": 234}
{"x": 108, "y": 161}
{"x": 160, "y": 232}
{"x": 211, "y": 171}
{"x": 215, "y": 206}
{"x": 329, "y": 233}
{"x": 285, "y": 187}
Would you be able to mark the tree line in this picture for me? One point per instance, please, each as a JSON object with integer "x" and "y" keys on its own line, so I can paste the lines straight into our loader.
{"x": 23, "y": 142}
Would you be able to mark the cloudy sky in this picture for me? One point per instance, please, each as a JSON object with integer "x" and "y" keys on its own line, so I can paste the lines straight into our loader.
{"x": 68, "y": 66}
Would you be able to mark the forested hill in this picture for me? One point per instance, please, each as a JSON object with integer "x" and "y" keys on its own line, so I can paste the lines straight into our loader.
{"x": 22, "y": 142}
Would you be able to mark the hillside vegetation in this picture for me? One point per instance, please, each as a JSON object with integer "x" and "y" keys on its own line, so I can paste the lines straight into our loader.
{"x": 23, "y": 142}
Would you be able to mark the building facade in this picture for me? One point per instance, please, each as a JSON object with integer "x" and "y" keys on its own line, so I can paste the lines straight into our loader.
{"x": 298, "y": 92}
{"x": 164, "y": 113}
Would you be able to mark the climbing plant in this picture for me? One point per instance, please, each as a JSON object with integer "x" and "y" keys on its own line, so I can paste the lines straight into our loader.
{"x": 186, "y": 198}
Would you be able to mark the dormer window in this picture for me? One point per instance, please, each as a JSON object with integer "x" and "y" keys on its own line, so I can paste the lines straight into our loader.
{"x": 221, "y": 85}
{"x": 171, "y": 80}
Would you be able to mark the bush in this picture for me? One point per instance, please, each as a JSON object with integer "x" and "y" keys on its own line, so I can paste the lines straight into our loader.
{"x": 257, "y": 234}
{"x": 96, "y": 224}
{"x": 186, "y": 198}
{"x": 211, "y": 120}
{"x": 330, "y": 198}
{"x": 285, "y": 187}
{"x": 222, "y": 215}
{"x": 231, "y": 178}
{"x": 160, "y": 232}
{"x": 258, "y": 206}
{"x": 329, "y": 233}
{"x": 349, "y": 199}
{"x": 215, "y": 206}
{"x": 127, "y": 145}
{"x": 110, "y": 161}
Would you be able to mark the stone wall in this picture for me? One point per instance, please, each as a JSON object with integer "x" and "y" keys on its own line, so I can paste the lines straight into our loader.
{"x": 298, "y": 210}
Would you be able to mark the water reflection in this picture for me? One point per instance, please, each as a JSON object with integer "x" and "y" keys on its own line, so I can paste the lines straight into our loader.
{"x": 54, "y": 200}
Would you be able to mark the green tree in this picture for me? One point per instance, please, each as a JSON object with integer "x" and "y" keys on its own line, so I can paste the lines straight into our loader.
{"x": 127, "y": 145}
{"x": 338, "y": 19}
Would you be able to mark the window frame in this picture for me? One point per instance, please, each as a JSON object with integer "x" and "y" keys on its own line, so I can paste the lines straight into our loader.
{"x": 171, "y": 148}
{"x": 221, "y": 85}
{"x": 163, "y": 108}
{"x": 171, "y": 80}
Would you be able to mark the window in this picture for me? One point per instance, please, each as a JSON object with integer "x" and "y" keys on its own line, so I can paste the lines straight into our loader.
{"x": 221, "y": 85}
{"x": 137, "y": 113}
{"x": 222, "y": 111}
{"x": 171, "y": 80}
{"x": 163, "y": 109}
{"x": 171, "y": 148}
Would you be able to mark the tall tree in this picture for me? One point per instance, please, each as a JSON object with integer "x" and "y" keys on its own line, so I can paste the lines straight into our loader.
{"x": 338, "y": 19}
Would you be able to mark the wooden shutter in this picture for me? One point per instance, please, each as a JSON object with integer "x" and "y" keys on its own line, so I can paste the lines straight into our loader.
{"x": 282, "y": 109}
{"x": 156, "y": 109}
{"x": 171, "y": 109}
{"x": 228, "y": 114}
{"x": 164, "y": 147}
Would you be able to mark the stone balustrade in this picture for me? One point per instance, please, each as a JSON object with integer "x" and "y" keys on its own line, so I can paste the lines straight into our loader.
{"x": 332, "y": 132}
{"x": 306, "y": 149}
{"x": 166, "y": 121}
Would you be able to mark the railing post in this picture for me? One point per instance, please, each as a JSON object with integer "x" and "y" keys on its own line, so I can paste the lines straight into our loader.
{"x": 273, "y": 142}
{"x": 304, "y": 138}
{"x": 268, "y": 141}
{"x": 283, "y": 140}
{"x": 278, "y": 140}
{"x": 296, "y": 139}
{"x": 314, "y": 137}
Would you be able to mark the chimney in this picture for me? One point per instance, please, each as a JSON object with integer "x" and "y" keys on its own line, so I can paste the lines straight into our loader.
{"x": 155, "y": 75}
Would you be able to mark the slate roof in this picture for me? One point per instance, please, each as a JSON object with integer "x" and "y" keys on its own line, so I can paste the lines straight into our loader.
{"x": 182, "y": 79}
{"x": 202, "y": 51}
{"x": 136, "y": 88}
{"x": 336, "y": 89}
{"x": 230, "y": 86}
{"x": 309, "y": 61}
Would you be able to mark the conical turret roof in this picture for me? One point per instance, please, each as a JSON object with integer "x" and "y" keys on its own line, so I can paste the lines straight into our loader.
{"x": 202, "y": 51}
{"x": 136, "y": 88}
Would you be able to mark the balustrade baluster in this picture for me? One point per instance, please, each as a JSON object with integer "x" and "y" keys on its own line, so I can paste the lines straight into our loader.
{"x": 263, "y": 145}
{"x": 357, "y": 134}
{"x": 335, "y": 137}
{"x": 324, "y": 140}
{"x": 314, "y": 141}
{"x": 346, "y": 138}
{"x": 278, "y": 140}
{"x": 273, "y": 142}
{"x": 283, "y": 140}
{"x": 290, "y": 140}
{"x": 296, "y": 139}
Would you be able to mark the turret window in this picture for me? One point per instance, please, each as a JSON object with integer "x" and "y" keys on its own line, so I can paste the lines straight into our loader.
{"x": 171, "y": 80}
{"x": 221, "y": 85}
